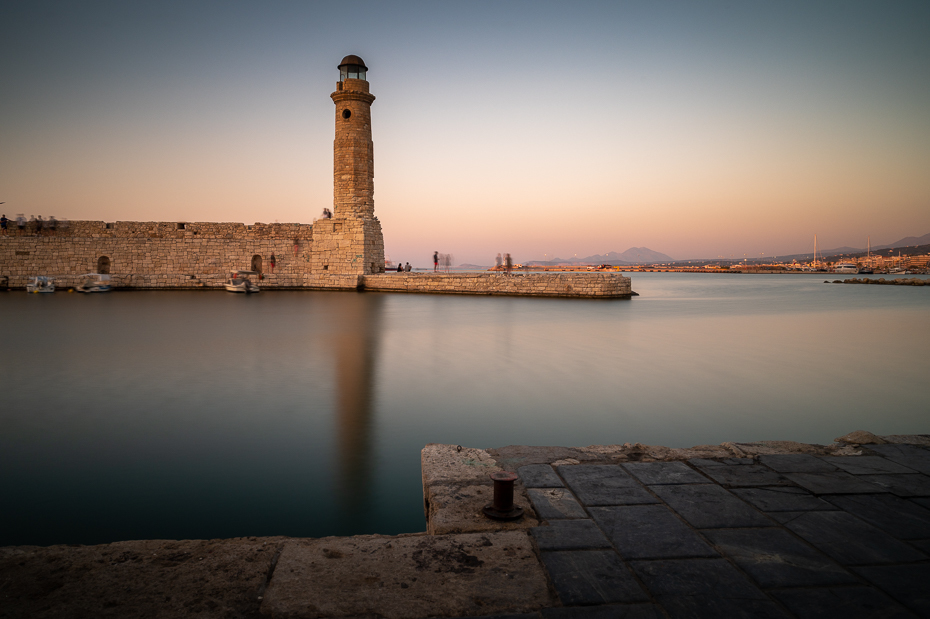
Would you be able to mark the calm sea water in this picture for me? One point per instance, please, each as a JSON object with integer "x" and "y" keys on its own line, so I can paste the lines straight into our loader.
{"x": 204, "y": 414}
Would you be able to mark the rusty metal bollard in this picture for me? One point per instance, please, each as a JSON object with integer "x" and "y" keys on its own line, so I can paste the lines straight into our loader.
{"x": 503, "y": 508}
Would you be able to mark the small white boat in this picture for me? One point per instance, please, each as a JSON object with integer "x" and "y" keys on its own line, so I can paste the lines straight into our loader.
{"x": 41, "y": 283}
{"x": 846, "y": 267}
{"x": 94, "y": 282}
{"x": 239, "y": 282}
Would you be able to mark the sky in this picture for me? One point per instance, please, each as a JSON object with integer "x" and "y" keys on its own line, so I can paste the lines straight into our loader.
{"x": 543, "y": 129}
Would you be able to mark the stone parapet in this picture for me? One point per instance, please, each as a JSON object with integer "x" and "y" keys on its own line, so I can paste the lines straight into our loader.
{"x": 587, "y": 285}
{"x": 161, "y": 229}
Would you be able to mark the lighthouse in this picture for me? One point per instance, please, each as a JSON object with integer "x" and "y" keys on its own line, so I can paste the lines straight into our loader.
{"x": 351, "y": 242}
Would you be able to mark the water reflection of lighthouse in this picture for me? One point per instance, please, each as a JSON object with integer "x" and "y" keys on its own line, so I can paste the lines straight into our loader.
{"x": 354, "y": 340}
{"x": 357, "y": 249}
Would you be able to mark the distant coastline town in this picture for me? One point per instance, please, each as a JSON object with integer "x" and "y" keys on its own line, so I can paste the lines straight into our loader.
{"x": 910, "y": 255}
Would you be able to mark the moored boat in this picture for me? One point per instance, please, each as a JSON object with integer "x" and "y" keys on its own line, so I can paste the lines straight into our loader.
{"x": 239, "y": 282}
{"x": 41, "y": 283}
{"x": 845, "y": 267}
{"x": 94, "y": 282}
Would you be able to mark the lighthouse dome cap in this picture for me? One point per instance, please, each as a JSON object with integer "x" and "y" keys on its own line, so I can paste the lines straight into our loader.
{"x": 352, "y": 59}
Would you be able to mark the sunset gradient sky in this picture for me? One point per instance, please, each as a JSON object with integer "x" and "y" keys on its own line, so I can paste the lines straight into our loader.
{"x": 697, "y": 129}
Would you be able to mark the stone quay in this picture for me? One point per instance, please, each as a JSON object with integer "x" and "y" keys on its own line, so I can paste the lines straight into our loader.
{"x": 765, "y": 529}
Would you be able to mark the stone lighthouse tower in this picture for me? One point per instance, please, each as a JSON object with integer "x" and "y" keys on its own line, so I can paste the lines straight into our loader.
{"x": 351, "y": 242}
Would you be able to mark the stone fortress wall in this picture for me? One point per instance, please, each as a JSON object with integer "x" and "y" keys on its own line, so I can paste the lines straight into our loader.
{"x": 158, "y": 254}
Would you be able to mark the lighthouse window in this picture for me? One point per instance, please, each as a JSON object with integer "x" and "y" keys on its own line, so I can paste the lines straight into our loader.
{"x": 351, "y": 71}
{"x": 346, "y": 114}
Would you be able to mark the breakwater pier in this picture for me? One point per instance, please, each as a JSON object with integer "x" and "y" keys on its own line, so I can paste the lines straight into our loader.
{"x": 766, "y": 529}
{"x": 200, "y": 256}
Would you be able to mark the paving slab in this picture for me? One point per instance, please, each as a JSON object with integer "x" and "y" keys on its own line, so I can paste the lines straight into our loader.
{"x": 782, "y": 499}
{"x": 919, "y": 464}
{"x": 539, "y": 476}
{"x": 651, "y": 473}
{"x": 902, "y": 485}
{"x": 867, "y": 465}
{"x": 702, "y": 462}
{"x": 775, "y": 558}
{"x": 709, "y": 506}
{"x": 612, "y": 611}
{"x": 922, "y": 502}
{"x": 796, "y": 463}
{"x": 407, "y": 576}
{"x": 744, "y": 475}
{"x": 650, "y": 532}
{"x": 555, "y": 503}
{"x": 709, "y": 588}
{"x": 607, "y": 484}
{"x": 784, "y": 517}
{"x": 922, "y": 545}
{"x": 845, "y": 602}
{"x": 911, "y": 456}
{"x": 901, "y": 451}
{"x": 851, "y": 541}
{"x": 909, "y": 584}
{"x": 892, "y": 514}
{"x": 570, "y": 535}
{"x": 836, "y": 482}
{"x": 713, "y": 607}
{"x": 585, "y": 577}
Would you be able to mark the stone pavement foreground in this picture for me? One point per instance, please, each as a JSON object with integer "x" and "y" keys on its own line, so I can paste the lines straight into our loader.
{"x": 788, "y": 535}
{"x": 744, "y": 530}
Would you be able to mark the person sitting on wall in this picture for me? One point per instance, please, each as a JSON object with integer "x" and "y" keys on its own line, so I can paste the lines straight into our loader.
{"x": 407, "y": 267}
{"x": 327, "y": 214}
{"x": 400, "y": 267}
{"x": 3, "y": 222}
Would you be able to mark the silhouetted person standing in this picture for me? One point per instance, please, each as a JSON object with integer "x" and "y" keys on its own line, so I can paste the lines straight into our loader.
{"x": 508, "y": 261}
{"x": 435, "y": 261}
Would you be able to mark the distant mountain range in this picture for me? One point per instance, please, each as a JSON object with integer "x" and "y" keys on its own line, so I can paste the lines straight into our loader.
{"x": 644, "y": 255}
{"x": 634, "y": 255}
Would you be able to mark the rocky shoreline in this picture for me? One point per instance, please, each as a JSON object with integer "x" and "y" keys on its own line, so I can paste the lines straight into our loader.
{"x": 898, "y": 281}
